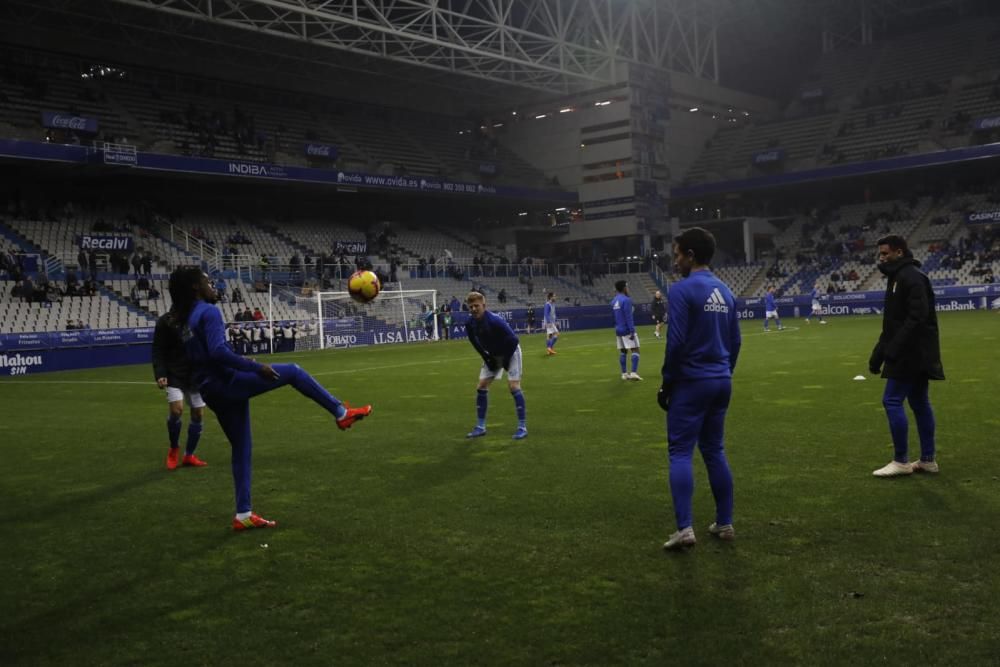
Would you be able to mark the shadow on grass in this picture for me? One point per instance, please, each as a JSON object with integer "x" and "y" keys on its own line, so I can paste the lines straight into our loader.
{"x": 104, "y": 613}
{"x": 74, "y": 501}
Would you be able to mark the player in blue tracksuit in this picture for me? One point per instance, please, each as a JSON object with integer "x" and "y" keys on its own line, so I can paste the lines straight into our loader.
{"x": 228, "y": 381}
{"x": 703, "y": 343}
{"x": 626, "y": 337}
{"x": 817, "y": 308}
{"x": 499, "y": 347}
{"x": 549, "y": 322}
{"x": 771, "y": 309}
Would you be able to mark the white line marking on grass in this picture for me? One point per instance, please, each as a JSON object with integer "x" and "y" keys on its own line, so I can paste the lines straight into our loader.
{"x": 17, "y": 382}
{"x": 767, "y": 333}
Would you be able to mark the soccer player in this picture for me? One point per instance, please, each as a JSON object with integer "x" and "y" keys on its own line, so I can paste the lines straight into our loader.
{"x": 817, "y": 309}
{"x": 771, "y": 309}
{"x": 549, "y": 322}
{"x": 500, "y": 349}
{"x": 703, "y": 343}
{"x": 659, "y": 309}
{"x": 627, "y": 338}
{"x": 908, "y": 354}
{"x": 172, "y": 372}
{"x": 228, "y": 381}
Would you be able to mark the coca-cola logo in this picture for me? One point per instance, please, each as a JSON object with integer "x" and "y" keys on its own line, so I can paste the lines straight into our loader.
{"x": 318, "y": 149}
{"x": 69, "y": 122}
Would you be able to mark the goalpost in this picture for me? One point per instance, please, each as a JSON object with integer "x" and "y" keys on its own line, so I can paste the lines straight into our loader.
{"x": 395, "y": 316}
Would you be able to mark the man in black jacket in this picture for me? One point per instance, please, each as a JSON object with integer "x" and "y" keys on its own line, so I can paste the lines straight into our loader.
{"x": 908, "y": 354}
{"x": 173, "y": 372}
{"x": 659, "y": 311}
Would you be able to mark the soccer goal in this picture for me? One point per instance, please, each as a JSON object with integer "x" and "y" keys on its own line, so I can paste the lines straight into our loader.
{"x": 395, "y": 316}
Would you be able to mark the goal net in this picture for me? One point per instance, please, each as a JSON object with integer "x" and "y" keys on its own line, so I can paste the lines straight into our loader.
{"x": 395, "y": 316}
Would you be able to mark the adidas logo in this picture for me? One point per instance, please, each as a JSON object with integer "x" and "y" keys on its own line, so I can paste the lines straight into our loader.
{"x": 715, "y": 303}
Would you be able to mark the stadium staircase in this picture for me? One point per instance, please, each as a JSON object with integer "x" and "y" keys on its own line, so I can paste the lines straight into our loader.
{"x": 126, "y": 302}
{"x": 53, "y": 266}
{"x": 138, "y": 133}
{"x": 648, "y": 284}
{"x": 576, "y": 287}
{"x": 194, "y": 257}
{"x": 476, "y": 248}
{"x": 303, "y": 249}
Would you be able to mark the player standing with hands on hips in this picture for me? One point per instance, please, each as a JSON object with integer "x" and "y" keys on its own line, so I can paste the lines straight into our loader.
{"x": 500, "y": 349}
{"x": 627, "y": 338}
{"x": 908, "y": 354}
{"x": 228, "y": 381}
{"x": 703, "y": 343}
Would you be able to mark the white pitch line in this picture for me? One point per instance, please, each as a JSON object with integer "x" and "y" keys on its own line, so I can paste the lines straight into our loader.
{"x": 765, "y": 333}
{"x": 320, "y": 374}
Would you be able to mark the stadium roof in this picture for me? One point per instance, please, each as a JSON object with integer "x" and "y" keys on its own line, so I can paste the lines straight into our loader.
{"x": 488, "y": 52}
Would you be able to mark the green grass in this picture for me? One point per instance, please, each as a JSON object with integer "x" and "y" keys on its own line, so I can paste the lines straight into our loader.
{"x": 402, "y": 543}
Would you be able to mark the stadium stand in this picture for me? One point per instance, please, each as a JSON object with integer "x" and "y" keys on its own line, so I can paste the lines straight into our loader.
{"x": 180, "y": 114}
{"x": 877, "y": 101}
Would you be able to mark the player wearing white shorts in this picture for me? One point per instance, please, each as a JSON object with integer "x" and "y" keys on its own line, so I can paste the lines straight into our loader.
{"x": 549, "y": 321}
{"x": 172, "y": 372}
{"x": 626, "y": 337}
{"x": 500, "y": 349}
{"x": 817, "y": 309}
{"x": 771, "y": 309}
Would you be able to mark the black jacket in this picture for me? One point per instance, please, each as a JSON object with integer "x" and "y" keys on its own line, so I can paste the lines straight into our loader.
{"x": 169, "y": 358}
{"x": 659, "y": 308}
{"x": 909, "y": 346}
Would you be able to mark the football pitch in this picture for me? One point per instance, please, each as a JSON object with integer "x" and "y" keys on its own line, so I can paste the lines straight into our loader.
{"x": 401, "y": 542}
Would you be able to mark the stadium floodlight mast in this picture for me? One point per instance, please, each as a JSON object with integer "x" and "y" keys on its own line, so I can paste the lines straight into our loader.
{"x": 548, "y": 45}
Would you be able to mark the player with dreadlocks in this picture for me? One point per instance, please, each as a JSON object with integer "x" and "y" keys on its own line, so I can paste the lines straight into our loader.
{"x": 228, "y": 381}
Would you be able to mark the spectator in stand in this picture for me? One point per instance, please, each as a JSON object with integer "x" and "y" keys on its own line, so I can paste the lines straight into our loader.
{"x": 147, "y": 263}
{"x": 257, "y": 315}
{"x": 502, "y": 296}
{"x": 82, "y": 262}
{"x": 70, "y": 326}
{"x": 72, "y": 283}
{"x": 220, "y": 288}
{"x": 28, "y": 289}
{"x": 247, "y": 315}
{"x": 137, "y": 262}
{"x": 237, "y": 295}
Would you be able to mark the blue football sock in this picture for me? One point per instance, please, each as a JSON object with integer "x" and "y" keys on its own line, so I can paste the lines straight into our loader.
{"x": 635, "y": 361}
{"x": 548, "y": 343}
{"x": 621, "y": 361}
{"x": 519, "y": 406}
{"x": 482, "y": 402}
{"x": 174, "y": 431}
{"x": 555, "y": 339}
{"x": 194, "y": 435}
{"x": 778, "y": 321}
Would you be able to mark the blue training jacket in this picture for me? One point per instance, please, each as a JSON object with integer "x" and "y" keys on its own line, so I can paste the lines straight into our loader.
{"x": 549, "y": 314}
{"x": 703, "y": 334}
{"x": 492, "y": 337}
{"x": 205, "y": 344}
{"x": 769, "y": 303}
{"x": 621, "y": 306}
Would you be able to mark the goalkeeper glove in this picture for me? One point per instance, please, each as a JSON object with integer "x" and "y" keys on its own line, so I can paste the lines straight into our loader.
{"x": 663, "y": 396}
